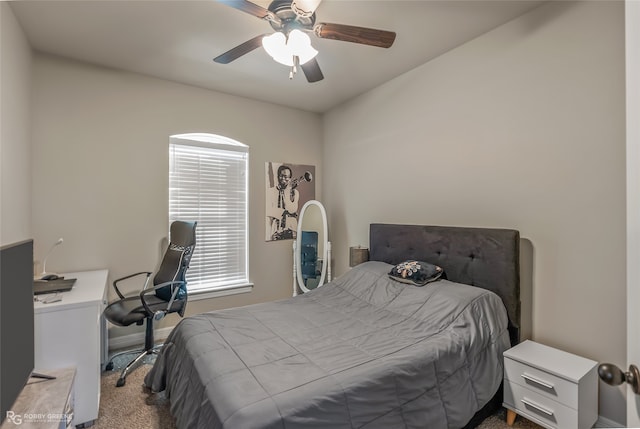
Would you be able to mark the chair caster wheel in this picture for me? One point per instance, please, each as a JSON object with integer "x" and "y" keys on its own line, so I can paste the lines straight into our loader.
{"x": 109, "y": 366}
{"x": 120, "y": 382}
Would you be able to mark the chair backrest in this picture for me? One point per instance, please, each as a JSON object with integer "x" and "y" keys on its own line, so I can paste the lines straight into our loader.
{"x": 176, "y": 259}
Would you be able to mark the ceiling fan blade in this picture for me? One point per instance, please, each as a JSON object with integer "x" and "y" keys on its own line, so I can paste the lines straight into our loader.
{"x": 312, "y": 71}
{"x": 305, "y": 8}
{"x": 240, "y": 50}
{"x": 350, "y": 33}
{"x": 251, "y": 9}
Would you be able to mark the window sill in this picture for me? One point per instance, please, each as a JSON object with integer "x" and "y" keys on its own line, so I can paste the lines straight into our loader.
{"x": 219, "y": 292}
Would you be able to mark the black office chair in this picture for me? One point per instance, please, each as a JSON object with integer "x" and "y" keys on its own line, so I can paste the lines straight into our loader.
{"x": 168, "y": 294}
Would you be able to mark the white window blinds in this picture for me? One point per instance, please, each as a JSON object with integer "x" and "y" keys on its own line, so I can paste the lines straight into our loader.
{"x": 208, "y": 183}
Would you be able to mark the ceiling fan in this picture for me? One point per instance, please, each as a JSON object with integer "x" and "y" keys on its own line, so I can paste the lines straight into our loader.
{"x": 290, "y": 44}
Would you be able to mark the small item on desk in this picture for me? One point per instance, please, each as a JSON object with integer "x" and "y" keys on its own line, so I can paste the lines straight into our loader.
{"x": 42, "y": 376}
{"x": 52, "y": 298}
{"x": 48, "y": 299}
{"x": 41, "y": 287}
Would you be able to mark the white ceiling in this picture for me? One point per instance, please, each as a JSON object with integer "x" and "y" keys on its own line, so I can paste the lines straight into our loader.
{"x": 177, "y": 40}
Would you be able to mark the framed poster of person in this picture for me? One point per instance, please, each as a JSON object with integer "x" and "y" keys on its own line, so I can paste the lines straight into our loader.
{"x": 288, "y": 188}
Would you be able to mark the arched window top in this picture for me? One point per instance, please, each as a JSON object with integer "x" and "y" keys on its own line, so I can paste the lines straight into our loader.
{"x": 209, "y": 140}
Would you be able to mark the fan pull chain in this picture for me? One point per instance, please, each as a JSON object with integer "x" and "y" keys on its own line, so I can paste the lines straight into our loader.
{"x": 294, "y": 67}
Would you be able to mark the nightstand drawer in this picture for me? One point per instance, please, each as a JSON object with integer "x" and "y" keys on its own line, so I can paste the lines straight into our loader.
{"x": 541, "y": 382}
{"x": 539, "y": 408}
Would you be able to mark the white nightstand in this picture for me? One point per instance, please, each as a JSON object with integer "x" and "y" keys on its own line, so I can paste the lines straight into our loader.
{"x": 550, "y": 387}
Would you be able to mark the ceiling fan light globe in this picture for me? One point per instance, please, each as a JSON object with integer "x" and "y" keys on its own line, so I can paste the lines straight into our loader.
{"x": 284, "y": 50}
{"x": 300, "y": 45}
{"x": 275, "y": 45}
{"x": 298, "y": 40}
{"x": 307, "y": 55}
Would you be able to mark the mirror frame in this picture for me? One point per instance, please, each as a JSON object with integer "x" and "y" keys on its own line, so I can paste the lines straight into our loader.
{"x": 325, "y": 249}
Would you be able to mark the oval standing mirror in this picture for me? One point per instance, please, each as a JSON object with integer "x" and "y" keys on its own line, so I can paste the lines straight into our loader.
{"x": 312, "y": 249}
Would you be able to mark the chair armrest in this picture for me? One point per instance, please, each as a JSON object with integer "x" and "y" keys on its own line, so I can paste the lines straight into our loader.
{"x": 153, "y": 289}
{"x": 115, "y": 282}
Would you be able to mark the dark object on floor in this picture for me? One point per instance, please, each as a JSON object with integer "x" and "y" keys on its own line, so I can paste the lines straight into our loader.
{"x": 168, "y": 294}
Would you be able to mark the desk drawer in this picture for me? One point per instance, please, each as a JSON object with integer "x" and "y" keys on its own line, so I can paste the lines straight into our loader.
{"x": 542, "y": 383}
{"x": 539, "y": 408}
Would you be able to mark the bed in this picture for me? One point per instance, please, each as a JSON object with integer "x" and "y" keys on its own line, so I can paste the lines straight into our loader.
{"x": 363, "y": 351}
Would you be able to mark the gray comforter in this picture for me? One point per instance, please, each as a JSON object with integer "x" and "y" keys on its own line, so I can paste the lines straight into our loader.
{"x": 361, "y": 352}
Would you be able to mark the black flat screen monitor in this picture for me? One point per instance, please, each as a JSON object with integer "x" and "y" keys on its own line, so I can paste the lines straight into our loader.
{"x": 16, "y": 321}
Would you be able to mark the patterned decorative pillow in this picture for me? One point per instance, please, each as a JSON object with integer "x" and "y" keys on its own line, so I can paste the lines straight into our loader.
{"x": 417, "y": 273}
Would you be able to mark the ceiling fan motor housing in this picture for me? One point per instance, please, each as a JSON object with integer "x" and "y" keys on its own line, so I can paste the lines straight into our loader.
{"x": 289, "y": 20}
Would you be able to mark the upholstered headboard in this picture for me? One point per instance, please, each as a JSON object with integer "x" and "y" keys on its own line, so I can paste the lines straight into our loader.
{"x": 482, "y": 257}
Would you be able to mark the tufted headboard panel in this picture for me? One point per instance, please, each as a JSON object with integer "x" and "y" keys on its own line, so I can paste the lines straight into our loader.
{"x": 481, "y": 257}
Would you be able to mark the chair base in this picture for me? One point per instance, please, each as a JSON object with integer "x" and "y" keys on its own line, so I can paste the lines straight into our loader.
{"x": 141, "y": 353}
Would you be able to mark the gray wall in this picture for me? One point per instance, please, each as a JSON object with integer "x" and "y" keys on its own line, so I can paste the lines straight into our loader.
{"x": 15, "y": 150}
{"x": 100, "y": 163}
{"x": 520, "y": 128}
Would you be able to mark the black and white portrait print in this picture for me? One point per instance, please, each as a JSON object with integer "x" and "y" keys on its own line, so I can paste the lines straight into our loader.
{"x": 288, "y": 188}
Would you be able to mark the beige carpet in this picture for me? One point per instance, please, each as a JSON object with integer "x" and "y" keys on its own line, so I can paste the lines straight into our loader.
{"x": 131, "y": 406}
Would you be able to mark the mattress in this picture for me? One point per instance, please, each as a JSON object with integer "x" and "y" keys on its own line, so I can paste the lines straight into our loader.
{"x": 363, "y": 351}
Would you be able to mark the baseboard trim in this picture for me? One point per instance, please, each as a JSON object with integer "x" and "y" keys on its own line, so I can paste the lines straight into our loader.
{"x": 137, "y": 339}
{"x": 604, "y": 422}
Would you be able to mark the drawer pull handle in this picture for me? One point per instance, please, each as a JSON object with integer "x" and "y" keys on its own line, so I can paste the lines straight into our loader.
{"x": 537, "y": 381}
{"x": 537, "y": 407}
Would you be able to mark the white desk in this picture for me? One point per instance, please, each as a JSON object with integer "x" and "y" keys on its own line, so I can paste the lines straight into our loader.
{"x": 73, "y": 333}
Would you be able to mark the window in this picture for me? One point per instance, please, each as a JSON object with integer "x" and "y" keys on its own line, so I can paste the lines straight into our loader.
{"x": 208, "y": 183}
